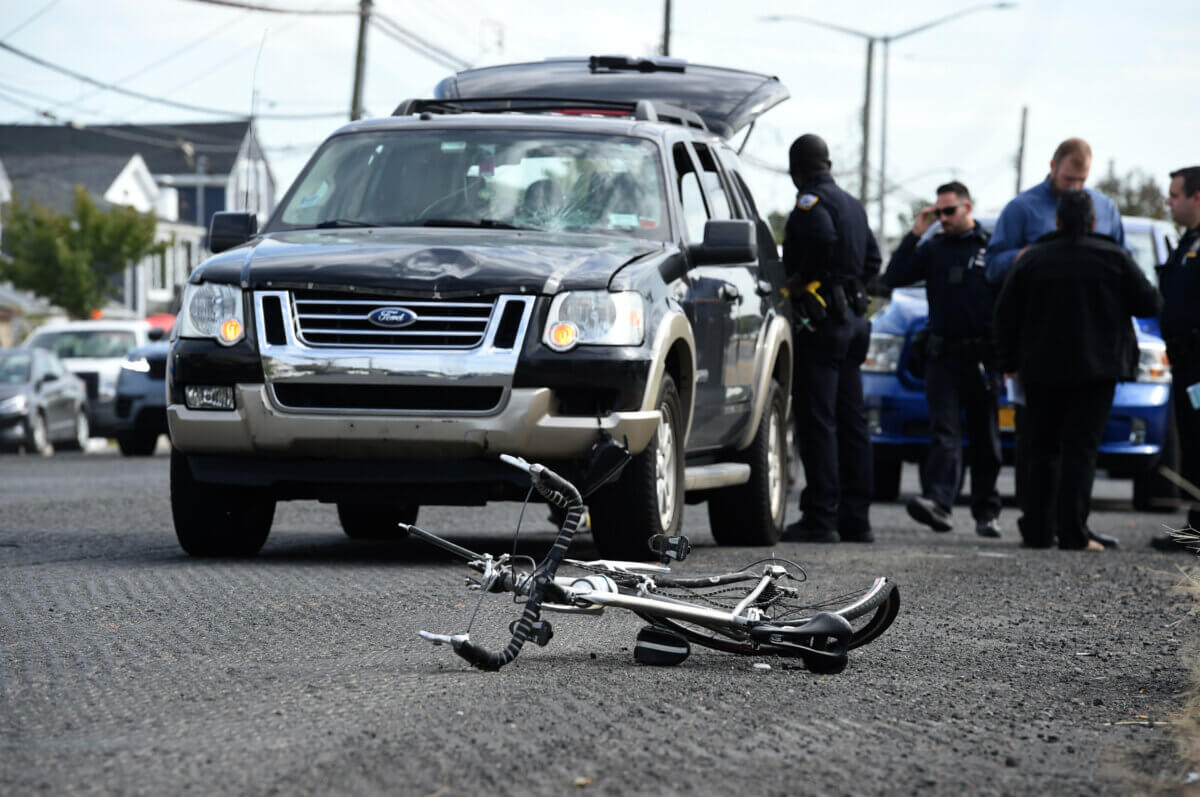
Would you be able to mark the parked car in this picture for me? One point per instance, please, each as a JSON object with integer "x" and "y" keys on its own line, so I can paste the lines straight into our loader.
{"x": 94, "y": 351}
{"x": 570, "y": 280}
{"x": 1140, "y": 432}
{"x": 42, "y": 405}
{"x": 141, "y": 408}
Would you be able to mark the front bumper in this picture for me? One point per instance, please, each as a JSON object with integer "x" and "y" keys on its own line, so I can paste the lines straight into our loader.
{"x": 524, "y": 426}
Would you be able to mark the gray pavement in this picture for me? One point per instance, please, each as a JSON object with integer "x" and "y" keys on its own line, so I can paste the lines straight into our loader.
{"x": 128, "y": 668}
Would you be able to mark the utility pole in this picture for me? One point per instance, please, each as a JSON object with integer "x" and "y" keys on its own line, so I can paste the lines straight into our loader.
{"x": 360, "y": 59}
{"x": 1021, "y": 146}
{"x": 864, "y": 170}
{"x": 666, "y": 41}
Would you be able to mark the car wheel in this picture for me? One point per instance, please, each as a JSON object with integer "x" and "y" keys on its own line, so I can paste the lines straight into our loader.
{"x": 887, "y": 475}
{"x": 216, "y": 519}
{"x": 137, "y": 444}
{"x": 752, "y": 513}
{"x": 83, "y": 433}
{"x": 1152, "y": 492}
{"x": 37, "y": 440}
{"x": 374, "y": 522}
{"x": 647, "y": 498}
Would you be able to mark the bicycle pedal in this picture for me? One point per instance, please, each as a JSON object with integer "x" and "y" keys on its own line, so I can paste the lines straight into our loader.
{"x": 670, "y": 548}
{"x": 541, "y": 633}
{"x": 660, "y": 647}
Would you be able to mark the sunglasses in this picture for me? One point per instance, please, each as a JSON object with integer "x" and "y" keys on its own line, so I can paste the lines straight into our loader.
{"x": 947, "y": 211}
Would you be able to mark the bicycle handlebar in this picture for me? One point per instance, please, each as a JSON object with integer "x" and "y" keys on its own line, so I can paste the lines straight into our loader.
{"x": 562, "y": 494}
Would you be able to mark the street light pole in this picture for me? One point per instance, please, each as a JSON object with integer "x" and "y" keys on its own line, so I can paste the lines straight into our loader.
{"x": 864, "y": 169}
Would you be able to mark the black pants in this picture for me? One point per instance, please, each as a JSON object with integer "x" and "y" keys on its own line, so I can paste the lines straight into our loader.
{"x": 1065, "y": 426}
{"x": 955, "y": 386}
{"x": 1187, "y": 420}
{"x": 831, "y": 426}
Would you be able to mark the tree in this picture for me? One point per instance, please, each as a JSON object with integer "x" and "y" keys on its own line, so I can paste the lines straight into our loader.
{"x": 1135, "y": 194}
{"x": 69, "y": 259}
{"x": 778, "y": 222}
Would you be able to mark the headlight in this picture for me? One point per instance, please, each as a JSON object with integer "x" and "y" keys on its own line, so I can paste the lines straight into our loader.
{"x": 13, "y": 404}
{"x": 596, "y": 318}
{"x": 212, "y": 311}
{"x": 1153, "y": 365}
{"x": 137, "y": 364}
{"x": 883, "y": 353}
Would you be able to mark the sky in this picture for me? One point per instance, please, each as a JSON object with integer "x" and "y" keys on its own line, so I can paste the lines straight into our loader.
{"x": 1116, "y": 73}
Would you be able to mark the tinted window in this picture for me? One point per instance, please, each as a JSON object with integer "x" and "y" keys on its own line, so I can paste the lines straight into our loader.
{"x": 721, "y": 208}
{"x": 86, "y": 343}
{"x": 14, "y": 368}
{"x": 538, "y": 180}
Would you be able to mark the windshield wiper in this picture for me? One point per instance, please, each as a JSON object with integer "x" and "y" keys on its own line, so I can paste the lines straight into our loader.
{"x": 321, "y": 225}
{"x": 491, "y": 224}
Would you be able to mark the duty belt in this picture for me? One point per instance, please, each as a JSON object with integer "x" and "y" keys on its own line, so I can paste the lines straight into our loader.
{"x": 971, "y": 348}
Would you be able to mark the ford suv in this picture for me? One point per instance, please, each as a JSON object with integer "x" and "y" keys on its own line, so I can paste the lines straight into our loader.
{"x": 557, "y": 260}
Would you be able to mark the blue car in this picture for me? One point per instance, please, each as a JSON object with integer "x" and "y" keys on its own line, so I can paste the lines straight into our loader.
{"x": 141, "y": 405}
{"x": 1140, "y": 433}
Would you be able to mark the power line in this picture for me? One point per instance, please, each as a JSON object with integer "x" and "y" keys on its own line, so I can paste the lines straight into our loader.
{"x": 150, "y": 98}
{"x": 389, "y": 27}
{"x": 278, "y": 10}
{"x": 30, "y": 19}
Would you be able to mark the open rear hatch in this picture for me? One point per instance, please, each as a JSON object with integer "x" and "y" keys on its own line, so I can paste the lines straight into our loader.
{"x": 726, "y": 99}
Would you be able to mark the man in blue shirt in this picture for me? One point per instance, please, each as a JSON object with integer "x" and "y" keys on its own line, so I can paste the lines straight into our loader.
{"x": 1027, "y": 217}
{"x": 1030, "y": 214}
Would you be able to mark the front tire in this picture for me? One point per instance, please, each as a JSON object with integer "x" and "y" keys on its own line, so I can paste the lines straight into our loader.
{"x": 216, "y": 519}
{"x": 374, "y": 522}
{"x": 37, "y": 439}
{"x": 1152, "y": 492}
{"x": 647, "y": 498}
{"x": 752, "y": 513}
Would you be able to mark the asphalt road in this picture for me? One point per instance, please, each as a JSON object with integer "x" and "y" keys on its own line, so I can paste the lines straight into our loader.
{"x": 127, "y": 667}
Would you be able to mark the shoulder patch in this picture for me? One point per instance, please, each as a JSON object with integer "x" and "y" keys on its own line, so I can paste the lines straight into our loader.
{"x": 807, "y": 201}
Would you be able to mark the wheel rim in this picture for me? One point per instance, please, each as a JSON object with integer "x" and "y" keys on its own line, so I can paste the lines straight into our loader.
{"x": 39, "y": 433}
{"x": 776, "y": 458}
{"x": 83, "y": 432}
{"x": 665, "y": 469}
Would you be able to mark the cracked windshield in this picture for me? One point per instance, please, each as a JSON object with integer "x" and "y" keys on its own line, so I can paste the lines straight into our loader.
{"x": 490, "y": 179}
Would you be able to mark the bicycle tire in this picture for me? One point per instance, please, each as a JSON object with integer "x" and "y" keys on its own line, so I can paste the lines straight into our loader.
{"x": 876, "y": 609}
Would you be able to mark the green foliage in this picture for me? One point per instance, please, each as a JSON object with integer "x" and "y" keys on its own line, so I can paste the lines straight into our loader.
{"x": 778, "y": 222}
{"x": 69, "y": 259}
{"x": 1134, "y": 194}
{"x": 908, "y": 216}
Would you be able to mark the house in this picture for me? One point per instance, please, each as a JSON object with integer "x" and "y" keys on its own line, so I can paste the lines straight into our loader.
{"x": 183, "y": 172}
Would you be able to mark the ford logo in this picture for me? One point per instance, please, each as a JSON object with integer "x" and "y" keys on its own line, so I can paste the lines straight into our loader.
{"x": 392, "y": 317}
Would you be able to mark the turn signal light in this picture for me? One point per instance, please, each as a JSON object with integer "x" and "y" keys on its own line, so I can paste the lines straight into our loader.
{"x": 563, "y": 335}
{"x": 231, "y": 330}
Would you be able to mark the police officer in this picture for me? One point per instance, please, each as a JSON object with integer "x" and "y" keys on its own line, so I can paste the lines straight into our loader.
{"x": 960, "y": 374}
{"x": 829, "y": 254}
{"x": 1179, "y": 281}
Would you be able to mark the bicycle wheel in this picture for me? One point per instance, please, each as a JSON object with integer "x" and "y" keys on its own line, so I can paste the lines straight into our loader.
{"x": 869, "y": 612}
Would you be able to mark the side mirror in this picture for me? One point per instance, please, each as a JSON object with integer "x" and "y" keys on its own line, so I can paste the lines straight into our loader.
{"x": 49, "y": 377}
{"x": 726, "y": 241}
{"x": 227, "y": 230}
{"x": 155, "y": 334}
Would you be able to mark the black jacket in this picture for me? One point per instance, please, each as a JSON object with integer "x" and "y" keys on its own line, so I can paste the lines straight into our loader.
{"x": 961, "y": 299}
{"x": 1063, "y": 315}
{"x": 1179, "y": 279}
{"x": 827, "y": 236}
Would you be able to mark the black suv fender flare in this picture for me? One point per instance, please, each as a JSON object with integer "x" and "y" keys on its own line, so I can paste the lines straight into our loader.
{"x": 774, "y": 360}
{"x": 673, "y": 350}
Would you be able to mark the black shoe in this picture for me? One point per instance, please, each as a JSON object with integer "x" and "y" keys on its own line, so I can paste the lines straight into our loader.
{"x": 1104, "y": 539}
{"x": 802, "y": 532}
{"x": 858, "y": 536}
{"x": 988, "y": 528}
{"x": 928, "y": 512}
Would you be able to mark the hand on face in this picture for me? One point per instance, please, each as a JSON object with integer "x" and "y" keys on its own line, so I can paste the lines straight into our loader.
{"x": 924, "y": 220}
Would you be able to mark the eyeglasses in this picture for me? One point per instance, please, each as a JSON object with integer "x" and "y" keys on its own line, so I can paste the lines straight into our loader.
{"x": 947, "y": 211}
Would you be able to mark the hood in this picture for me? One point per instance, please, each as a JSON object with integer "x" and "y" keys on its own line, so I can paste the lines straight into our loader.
{"x": 435, "y": 262}
{"x": 11, "y": 389}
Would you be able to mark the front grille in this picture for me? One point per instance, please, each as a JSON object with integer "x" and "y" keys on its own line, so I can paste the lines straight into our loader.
{"x": 326, "y": 318}
{"x": 92, "y": 380}
{"x": 419, "y": 398}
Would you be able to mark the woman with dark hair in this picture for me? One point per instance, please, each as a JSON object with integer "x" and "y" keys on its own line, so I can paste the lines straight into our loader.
{"x": 1062, "y": 325}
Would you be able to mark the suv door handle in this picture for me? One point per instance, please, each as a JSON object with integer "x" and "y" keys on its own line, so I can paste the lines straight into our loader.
{"x": 729, "y": 292}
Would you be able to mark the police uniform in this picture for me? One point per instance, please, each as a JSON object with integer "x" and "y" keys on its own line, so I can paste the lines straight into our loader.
{"x": 960, "y": 375}
{"x": 1179, "y": 282}
{"x": 829, "y": 254}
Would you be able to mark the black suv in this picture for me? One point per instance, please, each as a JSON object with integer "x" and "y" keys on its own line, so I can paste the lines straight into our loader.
{"x": 557, "y": 260}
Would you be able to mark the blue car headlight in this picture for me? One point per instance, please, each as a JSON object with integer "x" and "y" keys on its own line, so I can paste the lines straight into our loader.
{"x": 883, "y": 353}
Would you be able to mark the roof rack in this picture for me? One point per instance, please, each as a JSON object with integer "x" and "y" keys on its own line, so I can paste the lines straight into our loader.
{"x": 642, "y": 110}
